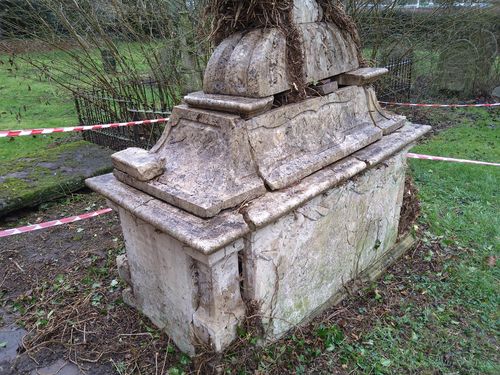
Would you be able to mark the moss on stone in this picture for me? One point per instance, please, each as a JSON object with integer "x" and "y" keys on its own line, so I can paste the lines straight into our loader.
{"x": 50, "y": 174}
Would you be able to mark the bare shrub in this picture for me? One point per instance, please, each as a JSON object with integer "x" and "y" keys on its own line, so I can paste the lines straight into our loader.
{"x": 107, "y": 44}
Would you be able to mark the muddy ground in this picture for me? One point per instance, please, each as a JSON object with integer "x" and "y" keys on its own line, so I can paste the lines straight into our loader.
{"x": 61, "y": 286}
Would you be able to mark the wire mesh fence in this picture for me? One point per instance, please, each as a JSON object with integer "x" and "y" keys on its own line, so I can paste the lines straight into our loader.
{"x": 397, "y": 84}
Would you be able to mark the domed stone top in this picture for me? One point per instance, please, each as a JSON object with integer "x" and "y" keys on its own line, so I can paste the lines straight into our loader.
{"x": 254, "y": 63}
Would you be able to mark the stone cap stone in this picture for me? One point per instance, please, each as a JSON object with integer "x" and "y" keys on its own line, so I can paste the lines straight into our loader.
{"x": 138, "y": 163}
{"x": 245, "y": 107}
{"x": 205, "y": 236}
{"x": 361, "y": 77}
{"x": 253, "y": 64}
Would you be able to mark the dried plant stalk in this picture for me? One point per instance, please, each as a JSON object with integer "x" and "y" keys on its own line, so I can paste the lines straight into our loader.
{"x": 230, "y": 16}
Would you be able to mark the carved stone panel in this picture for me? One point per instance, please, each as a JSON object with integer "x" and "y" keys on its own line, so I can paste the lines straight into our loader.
{"x": 253, "y": 64}
{"x": 248, "y": 64}
{"x": 290, "y": 143}
{"x": 327, "y": 51}
{"x": 208, "y": 165}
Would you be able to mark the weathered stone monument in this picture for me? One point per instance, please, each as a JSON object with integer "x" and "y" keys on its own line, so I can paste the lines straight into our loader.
{"x": 247, "y": 199}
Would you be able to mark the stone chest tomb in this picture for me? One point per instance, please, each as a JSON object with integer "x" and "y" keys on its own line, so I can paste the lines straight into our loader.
{"x": 249, "y": 199}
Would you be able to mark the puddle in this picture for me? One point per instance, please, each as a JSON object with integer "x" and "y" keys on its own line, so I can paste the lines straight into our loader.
{"x": 60, "y": 367}
{"x": 10, "y": 339}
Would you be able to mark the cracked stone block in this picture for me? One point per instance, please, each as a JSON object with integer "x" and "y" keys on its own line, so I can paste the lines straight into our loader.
{"x": 315, "y": 235}
{"x": 231, "y": 160}
{"x": 294, "y": 265}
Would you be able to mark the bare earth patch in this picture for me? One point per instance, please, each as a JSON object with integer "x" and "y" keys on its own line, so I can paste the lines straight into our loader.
{"x": 62, "y": 286}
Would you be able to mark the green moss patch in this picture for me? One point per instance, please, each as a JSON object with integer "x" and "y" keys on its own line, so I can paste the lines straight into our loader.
{"x": 49, "y": 173}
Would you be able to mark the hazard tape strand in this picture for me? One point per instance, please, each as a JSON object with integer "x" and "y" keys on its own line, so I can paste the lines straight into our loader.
{"x": 53, "y": 223}
{"x": 72, "y": 219}
{"x": 452, "y": 160}
{"x": 487, "y": 105}
{"x": 25, "y": 132}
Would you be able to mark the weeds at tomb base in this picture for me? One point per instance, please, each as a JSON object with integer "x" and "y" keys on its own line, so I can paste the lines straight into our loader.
{"x": 433, "y": 312}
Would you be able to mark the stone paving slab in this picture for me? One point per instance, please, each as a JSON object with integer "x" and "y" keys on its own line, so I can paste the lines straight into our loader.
{"x": 14, "y": 361}
{"x": 51, "y": 174}
{"x": 60, "y": 367}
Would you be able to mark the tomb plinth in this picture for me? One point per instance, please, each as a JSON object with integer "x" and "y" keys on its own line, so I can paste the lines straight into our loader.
{"x": 243, "y": 200}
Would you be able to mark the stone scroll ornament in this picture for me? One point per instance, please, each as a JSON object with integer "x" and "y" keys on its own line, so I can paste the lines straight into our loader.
{"x": 251, "y": 196}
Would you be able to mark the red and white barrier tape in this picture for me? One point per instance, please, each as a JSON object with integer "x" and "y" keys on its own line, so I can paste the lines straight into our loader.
{"x": 24, "y": 132}
{"x": 19, "y": 133}
{"x": 440, "y": 105}
{"x": 54, "y": 223}
{"x": 440, "y": 158}
{"x": 68, "y": 220}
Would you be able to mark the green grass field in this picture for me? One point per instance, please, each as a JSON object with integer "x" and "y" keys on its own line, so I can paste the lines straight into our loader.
{"x": 30, "y": 101}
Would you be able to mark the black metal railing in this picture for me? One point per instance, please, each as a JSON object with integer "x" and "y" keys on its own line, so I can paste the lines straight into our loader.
{"x": 139, "y": 100}
{"x": 396, "y": 85}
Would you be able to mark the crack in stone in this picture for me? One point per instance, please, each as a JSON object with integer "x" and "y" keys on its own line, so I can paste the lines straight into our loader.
{"x": 254, "y": 159}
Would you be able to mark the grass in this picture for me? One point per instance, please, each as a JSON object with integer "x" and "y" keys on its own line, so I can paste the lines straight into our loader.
{"x": 30, "y": 100}
{"x": 460, "y": 206}
{"x": 436, "y": 312}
